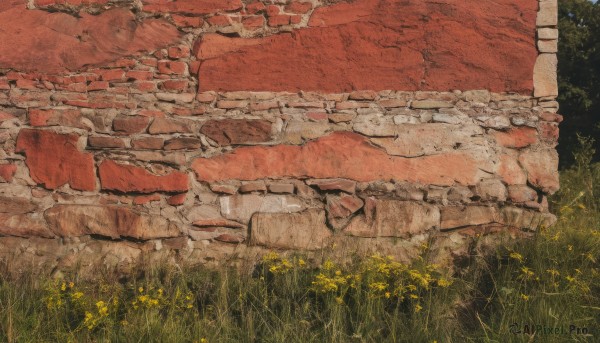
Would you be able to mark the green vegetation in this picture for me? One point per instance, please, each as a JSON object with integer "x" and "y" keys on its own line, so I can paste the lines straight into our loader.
{"x": 552, "y": 280}
{"x": 578, "y": 73}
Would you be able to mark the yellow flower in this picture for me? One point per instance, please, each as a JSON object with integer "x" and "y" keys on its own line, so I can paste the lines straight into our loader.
{"x": 570, "y": 278}
{"x": 418, "y": 308}
{"x": 442, "y": 282}
{"x": 301, "y": 263}
{"x": 516, "y": 256}
{"x": 63, "y": 287}
{"x": 339, "y": 300}
{"x": 71, "y": 285}
{"x": 328, "y": 265}
{"x": 388, "y": 294}
{"x": 570, "y": 247}
{"x": 413, "y": 296}
{"x": 141, "y": 289}
{"x": 76, "y": 295}
{"x": 527, "y": 273}
{"x": 525, "y": 297}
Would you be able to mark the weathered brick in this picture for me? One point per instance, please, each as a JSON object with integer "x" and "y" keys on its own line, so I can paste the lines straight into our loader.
{"x": 7, "y": 171}
{"x": 151, "y": 143}
{"x": 253, "y": 186}
{"x": 298, "y": 7}
{"x": 111, "y": 74}
{"x": 106, "y": 142}
{"x": 177, "y": 85}
{"x": 180, "y": 51}
{"x": 253, "y": 22}
{"x": 185, "y": 21}
{"x": 97, "y": 86}
{"x": 139, "y": 75}
{"x": 172, "y": 67}
{"x": 183, "y": 143}
{"x": 130, "y": 124}
{"x": 237, "y": 131}
{"x": 164, "y": 125}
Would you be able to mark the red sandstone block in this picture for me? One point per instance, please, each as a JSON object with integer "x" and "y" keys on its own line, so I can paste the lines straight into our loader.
{"x": 263, "y": 106}
{"x": 88, "y": 104}
{"x": 129, "y": 178}
{"x": 164, "y": 125}
{"x": 54, "y": 160}
{"x": 119, "y": 90}
{"x": 151, "y": 113}
{"x": 106, "y": 142}
{"x": 253, "y": 22}
{"x": 4, "y": 85}
{"x": 255, "y": 7}
{"x": 516, "y": 137}
{"x": 180, "y": 51}
{"x": 175, "y": 85}
{"x": 221, "y": 20}
{"x": 187, "y": 21}
{"x": 145, "y": 86}
{"x": 139, "y": 75}
{"x": 77, "y": 79}
{"x": 5, "y": 116}
{"x": 111, "y": 74}
{"x": 70, "y": 2}
{"x": 548, "y": 131}
{"x": 553, "y": 117}
{"x": 151, "y": 62}
{"x": 183, "y": 111}
{"x": 280, "y": 20}
{"x": 206, "y": 97}
{"x": 97, "y": 86}
{"x": 26, "y": 84}
{"x": 130, "y": 124}
{"x": 172, "y": 67}
{"x": 298, "y": 7}
{"x": 7, "y": 172}
{"x": 317, "y": 116}
{"x": 177, "y": 200}
{"x": 53, "y": 117}
{"x": 147, "y": 143}
{"x": 273, "y": 10}
{"x": 13, "y": 75}
{"x": 144, "y": 199}
{"x": 194, "y": 66}
{"x": 124, "y": 63}
{"x": 192, "y": 6}
{"x": 334, "y": 156}
{"x": 77, "y": 87}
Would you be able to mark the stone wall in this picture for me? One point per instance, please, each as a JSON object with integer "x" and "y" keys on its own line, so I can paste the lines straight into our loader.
{"x": 214, "y": 130}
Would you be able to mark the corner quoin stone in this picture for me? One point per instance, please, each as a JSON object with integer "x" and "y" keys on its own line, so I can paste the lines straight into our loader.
{"x": 544, "y": 76}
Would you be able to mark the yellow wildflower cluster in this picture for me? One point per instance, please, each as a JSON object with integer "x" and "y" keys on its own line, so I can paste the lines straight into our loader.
{"x": 93, "y": 319}
{"x": 331, "y": 279}
{"x": 148, "y": 298}
{"x": 275, "y": 264}
{"x": 380, "y": 277}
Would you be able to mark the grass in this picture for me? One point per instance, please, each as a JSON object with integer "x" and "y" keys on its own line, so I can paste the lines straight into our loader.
{"x": 546, "y": 289}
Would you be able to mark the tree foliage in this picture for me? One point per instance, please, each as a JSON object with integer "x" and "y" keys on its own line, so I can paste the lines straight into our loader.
{"x": 578, "y": 73}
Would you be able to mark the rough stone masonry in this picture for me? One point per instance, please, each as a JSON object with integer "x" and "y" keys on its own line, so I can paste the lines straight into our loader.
{"x": 212, "y": 131}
